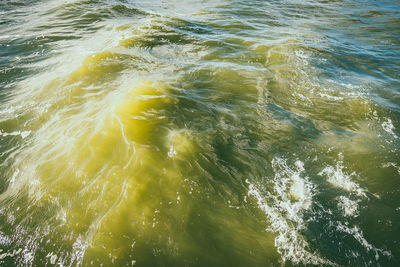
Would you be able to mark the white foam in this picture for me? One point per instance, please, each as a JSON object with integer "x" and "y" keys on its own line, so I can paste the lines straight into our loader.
{"x": 330, "y": 97}
{"x": 171, "y": 152}
{"x": 53, "y": 257}
{"x": 284, "y": 207}
{"x": 348, "y": 206}
{"x": 392, "y": 164}
{"x": 12, "y": 180}
{"x": 302, "y": 56}
{"x": 28, "y": 256}
{"x": 10, "y": 254}
{"x": 4, "y": 240}
{"x": 358, "y": 235}
{"x": 337, "y": 177}
{"x": 79, "y": 249}
{"x": 23, "y": 134}
{"x": 388, "y": 127}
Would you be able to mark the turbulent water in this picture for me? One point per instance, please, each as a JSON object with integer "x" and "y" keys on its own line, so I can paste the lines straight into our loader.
{"x": 199, "y": 133}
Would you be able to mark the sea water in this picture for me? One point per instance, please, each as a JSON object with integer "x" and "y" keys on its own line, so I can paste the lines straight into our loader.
{"x": 199, "y": 133}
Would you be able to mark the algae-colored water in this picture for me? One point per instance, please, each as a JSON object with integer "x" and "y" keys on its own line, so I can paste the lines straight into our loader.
{"x": 199, "y": 133}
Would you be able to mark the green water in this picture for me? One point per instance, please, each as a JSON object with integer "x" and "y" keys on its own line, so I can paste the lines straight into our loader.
{"x": 199, "y": 133}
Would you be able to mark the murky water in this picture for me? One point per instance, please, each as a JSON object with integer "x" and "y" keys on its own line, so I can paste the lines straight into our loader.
{"x": 199, "y": 133}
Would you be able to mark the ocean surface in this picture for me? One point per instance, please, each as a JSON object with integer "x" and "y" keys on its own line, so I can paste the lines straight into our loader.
{"x": 199, "y": 133}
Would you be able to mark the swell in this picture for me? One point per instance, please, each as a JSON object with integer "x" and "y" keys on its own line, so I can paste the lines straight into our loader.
{"x": 150, "y": 136}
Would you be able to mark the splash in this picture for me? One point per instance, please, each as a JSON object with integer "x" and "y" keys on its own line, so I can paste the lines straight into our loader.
{"x": 337, "y": 177}
{"x": 388, "y": 127}
{"x": 284, "y": 207}
{"x": 348, "y": 206}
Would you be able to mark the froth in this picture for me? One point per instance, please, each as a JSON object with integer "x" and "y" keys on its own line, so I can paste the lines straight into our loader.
{"x": 358, "y": 235}
{"x": 337, "y": 177}
{"x": 388, "y": 127}
{"x": 348, "y": 206}
{"x": 284, "y": 207}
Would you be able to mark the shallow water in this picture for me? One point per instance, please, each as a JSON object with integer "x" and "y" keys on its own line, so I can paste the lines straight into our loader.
{"x": 199, "y": 133}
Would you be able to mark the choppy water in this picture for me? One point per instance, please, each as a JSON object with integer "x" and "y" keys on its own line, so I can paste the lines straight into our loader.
{"x": 199, "y": 133}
